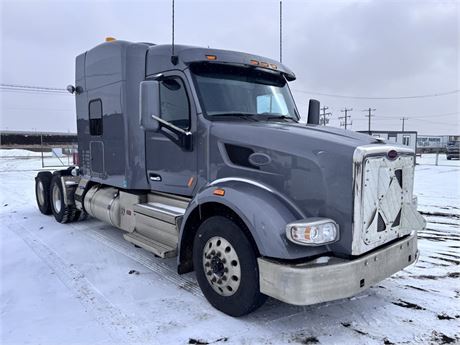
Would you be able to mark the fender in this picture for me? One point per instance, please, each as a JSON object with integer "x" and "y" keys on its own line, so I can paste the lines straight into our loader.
{"x": 264, "y": 211}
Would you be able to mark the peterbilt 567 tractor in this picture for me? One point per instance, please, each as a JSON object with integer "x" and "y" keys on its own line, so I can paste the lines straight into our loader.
{"x": 199, "y": 154}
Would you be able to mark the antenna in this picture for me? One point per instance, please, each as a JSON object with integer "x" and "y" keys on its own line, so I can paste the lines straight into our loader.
{"x": 174, "y": 58}
{"x": 281, "y": 31}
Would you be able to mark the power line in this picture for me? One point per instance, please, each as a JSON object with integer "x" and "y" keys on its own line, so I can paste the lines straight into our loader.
{"x": 31, "y": 89}
{"x": 369, "y": 115}
{"x": 345, "y": 123}
{"x": 421, "y": 117}
{"x": 438, "y": 94}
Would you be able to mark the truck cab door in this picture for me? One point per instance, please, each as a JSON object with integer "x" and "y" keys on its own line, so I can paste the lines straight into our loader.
{"x": 172, "y": 168}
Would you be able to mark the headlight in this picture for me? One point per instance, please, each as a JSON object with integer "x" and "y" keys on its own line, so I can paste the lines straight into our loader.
{"x": 313, "y": 231}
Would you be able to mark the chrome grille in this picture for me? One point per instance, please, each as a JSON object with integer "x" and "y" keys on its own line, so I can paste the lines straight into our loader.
{"x": 383, "y": 200}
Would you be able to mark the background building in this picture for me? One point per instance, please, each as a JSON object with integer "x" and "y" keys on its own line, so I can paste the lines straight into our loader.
{"x": 407, "y": 138}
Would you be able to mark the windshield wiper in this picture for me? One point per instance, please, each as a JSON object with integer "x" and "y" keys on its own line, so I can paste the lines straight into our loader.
{"x": 249, "y": 116}
{"x": 280, "y": 117}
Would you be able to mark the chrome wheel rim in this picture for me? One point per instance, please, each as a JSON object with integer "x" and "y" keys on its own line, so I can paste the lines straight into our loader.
{"x": 56, "y": 199}
{"x": 40, "y": 192}
{"x": 221, "y": 266}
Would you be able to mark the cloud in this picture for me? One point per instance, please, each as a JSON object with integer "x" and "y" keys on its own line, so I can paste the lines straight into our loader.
{"x": 375, "y": 48}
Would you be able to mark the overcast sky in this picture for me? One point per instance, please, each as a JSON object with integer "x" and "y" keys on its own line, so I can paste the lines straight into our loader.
{"x": 374, "y": 48}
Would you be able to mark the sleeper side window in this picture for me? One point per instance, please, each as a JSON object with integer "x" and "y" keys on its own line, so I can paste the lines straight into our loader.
{"x": 175, "y": 106}
{"x": 95, "y": 117}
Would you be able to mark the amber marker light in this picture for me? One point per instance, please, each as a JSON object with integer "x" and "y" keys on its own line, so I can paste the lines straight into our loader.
{"x": 211, "y": 57}
{"x": 110, "y": 39}
{"x": 219, "y": 192}
{"x": 190, "y": 182}
{"x": 264, "y": 64}
{"x": 273, "y": 66}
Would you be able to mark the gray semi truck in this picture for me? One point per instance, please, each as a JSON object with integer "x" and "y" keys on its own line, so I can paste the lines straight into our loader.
{"x": 199, "y": 154}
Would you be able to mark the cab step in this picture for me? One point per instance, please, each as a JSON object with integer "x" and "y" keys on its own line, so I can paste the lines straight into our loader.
{"x": 157, "y": 223}
{"x": 164, "y": 212}
{"x": 160, "y": 249}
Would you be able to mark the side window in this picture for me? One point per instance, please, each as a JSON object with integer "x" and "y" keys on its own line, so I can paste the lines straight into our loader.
{"x": 175, "y": 107}
{"x": 271, "y": 104}
{"x": 95, "y": 117}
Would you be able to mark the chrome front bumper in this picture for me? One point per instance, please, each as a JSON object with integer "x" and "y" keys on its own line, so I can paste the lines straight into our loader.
{"x": 329, "y": 278}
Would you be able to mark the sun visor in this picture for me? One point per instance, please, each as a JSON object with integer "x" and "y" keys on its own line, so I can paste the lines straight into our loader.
{"x": 193, "y": 55}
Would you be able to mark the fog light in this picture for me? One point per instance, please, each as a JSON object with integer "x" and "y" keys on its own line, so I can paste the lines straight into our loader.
{"x": 313, "y": 231}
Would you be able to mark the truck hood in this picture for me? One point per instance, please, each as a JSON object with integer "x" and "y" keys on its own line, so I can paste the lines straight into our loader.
{"x": 295, "y": 138}
{"x": 310, "y": 165}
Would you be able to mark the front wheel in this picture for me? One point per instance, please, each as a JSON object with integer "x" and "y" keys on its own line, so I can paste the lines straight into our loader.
{"x": 226, "y": 267}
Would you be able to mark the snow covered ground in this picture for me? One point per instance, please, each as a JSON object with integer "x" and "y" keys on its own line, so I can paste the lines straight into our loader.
{"x": 83, "y": 284}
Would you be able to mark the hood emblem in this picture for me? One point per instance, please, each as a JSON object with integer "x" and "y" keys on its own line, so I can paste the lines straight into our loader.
{"x": 392, "y": 154}
{"x": 259, "y": 159}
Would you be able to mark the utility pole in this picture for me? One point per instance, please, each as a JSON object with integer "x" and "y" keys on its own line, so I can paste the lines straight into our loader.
{"x": 369, "y": 115}
{"x": 345, "y": 123}
{"x": 403, "y": 119}
{"x": 323, "y": 120}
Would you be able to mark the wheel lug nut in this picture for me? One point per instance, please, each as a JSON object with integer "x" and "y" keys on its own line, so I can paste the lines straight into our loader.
{"x": 207, "y": 264}
{"x": 224, "y": 261}
{"x": 226, "y": 270}
{"x": 209, "y": 273}
{"x": 219, "y": 254}
{"x": 219, "y": 281}
{"x": 224, "y": 278}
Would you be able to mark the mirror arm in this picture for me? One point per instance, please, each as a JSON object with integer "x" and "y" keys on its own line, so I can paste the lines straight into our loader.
{"x": 184, "y": 137}
{"x": 170, "y": 125}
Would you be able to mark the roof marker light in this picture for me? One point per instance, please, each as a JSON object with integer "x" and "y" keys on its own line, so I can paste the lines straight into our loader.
{"x": 211, "y": 57}
{"x": 254, "y": 62}
{"x": 110, "y": 39}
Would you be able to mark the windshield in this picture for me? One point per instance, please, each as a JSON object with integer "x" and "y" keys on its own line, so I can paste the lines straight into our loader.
{"x": 229, "y": 90}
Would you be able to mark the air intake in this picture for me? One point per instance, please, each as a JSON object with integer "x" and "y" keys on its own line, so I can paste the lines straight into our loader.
{"x": 239, "y": 155}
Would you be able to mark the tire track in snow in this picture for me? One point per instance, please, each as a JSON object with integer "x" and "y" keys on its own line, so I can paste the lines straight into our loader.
{"x": 160, "y": 268}
{"x": 119, "y": 326}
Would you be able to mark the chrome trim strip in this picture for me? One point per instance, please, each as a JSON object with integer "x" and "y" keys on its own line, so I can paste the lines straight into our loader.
{"x": 109, "y": 207}
{"x": 259, "y": 185}
{"x": 369, "y": 150}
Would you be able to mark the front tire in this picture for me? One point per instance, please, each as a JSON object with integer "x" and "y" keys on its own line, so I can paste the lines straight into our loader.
{"x": 226, "y": 267}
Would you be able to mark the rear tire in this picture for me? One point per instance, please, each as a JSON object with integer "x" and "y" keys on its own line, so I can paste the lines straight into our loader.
{"x": 226, "y": 267}
{"x": 42, "y": 191}
{"x": 61, "y": 212}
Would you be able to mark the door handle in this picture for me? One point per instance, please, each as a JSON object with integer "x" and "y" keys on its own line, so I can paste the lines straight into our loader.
{"x": 154, "y": 177}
